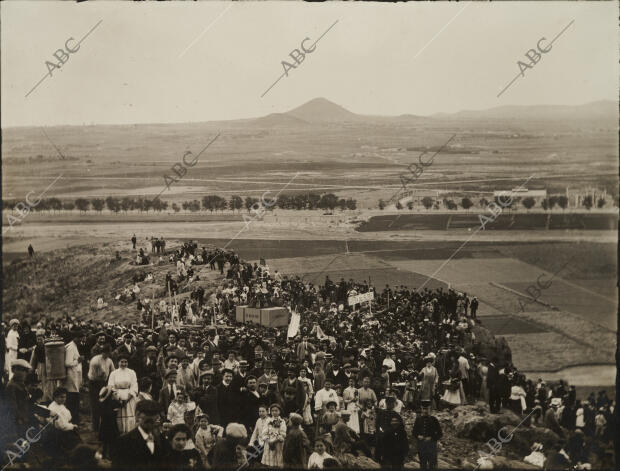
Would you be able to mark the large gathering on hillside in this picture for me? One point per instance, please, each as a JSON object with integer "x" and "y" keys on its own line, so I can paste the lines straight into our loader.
{"x": 189, "y": 385}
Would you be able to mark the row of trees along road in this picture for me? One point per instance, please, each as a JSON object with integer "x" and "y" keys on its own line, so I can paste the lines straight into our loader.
{"x": 212, "y": 203}
{"x": 466, "y": 203}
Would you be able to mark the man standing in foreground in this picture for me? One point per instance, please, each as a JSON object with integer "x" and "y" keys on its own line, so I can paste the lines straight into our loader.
{"x": 142, "y": 447}
{"x": 427, "y": 431}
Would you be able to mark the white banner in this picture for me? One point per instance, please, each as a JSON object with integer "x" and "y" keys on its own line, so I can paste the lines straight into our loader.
{"x": 293, "y": 327}
{"x": 361, "y": 298}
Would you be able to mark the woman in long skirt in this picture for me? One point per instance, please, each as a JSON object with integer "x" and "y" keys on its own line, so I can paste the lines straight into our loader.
{"x": 124, "y": 383}
{"x": 483, "y": 369}
{"x": 430, "y": 378}
{"x": 274, "y": 435}
{"x": 350, "y": 396}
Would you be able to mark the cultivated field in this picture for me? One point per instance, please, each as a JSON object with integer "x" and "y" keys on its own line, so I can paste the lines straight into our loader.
{"x": 471, "y": 221}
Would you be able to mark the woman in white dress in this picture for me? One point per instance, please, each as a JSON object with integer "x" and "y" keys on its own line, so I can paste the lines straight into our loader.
{"x": 351, "y": 404}
{"x": 12, "y": 340}
{"x": 124, "y": 384}
{"x": 483, "y": 369}
{"x": 274, "y": 433}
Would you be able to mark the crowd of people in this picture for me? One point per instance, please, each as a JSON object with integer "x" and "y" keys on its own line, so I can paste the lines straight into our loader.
{"x": 189, "y": 387}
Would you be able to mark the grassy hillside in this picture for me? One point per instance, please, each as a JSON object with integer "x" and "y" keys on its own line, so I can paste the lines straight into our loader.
{"x": 70, "y": 281}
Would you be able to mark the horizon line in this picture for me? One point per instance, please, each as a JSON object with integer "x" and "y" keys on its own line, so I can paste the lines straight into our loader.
{"x": 435, "y": 114}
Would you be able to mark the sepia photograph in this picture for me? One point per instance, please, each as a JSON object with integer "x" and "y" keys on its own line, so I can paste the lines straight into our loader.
{"x": 295, "y": 235}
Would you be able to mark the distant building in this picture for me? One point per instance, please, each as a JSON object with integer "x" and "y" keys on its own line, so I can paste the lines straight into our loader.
{"x": 576, "y": 197}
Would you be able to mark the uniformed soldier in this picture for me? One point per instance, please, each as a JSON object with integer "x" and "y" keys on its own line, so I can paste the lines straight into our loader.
{"x": 427, "y": 431}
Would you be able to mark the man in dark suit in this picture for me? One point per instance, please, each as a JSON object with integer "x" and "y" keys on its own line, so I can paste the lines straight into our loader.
{"x": 240, "y": 379}
{"x": 494, "y": 390}
{"x": 227, "y": 399}
{"x": 168, "y": 391}
{"x": 293, "y": 382}
{"x": 304, "y": 349}
{"x": 206, "y": 397}
{"x": 337, "y": 375}
{"x": 142, "y": 447}
{"x": 250, "y": 400}
{"x": 148, "y": 368}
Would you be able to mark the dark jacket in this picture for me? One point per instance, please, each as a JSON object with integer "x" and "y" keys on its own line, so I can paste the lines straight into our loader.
{"x": 427, "y": 426}
{"x": 131, "y": 451}
{"x": 223, "y": 454}
{"x": 227, "y": 404}
{"x": 250, "y": 404}
{"x": 206, "y": 399}
{"x": 492, "y": 378}
{"x": 296, "y": 449}
{"x": 238, "y": 382}
{"x": 300, "y": 392}
{"x": 339, "y": 378}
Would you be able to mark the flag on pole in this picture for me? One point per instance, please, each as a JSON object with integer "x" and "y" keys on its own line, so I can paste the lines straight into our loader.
{"x": 293, "y": 327}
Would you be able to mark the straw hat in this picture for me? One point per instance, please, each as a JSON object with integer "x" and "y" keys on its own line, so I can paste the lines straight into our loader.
{"x": 104, "y": 393}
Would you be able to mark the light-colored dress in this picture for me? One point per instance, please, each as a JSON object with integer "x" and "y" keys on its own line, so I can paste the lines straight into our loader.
{"x": 429, "y": 382}
{"x": 274, "y": 434}
{"x": 12, "y": 342}
{"x": 206, "y": 439}
{"x": 351, "y": 405}
{"x": 73, "y": 381}
{"x": 484, "y": 389}
{"x": 177, "y": 410}
{"x": 365, "y": 394}
{"x": 452, "y": 396}
{"x": 124, "y": 383}
{"x": 316, "y": 461}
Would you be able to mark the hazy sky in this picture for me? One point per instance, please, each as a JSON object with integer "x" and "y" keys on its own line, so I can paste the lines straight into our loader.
{"x": 154, "y": 61}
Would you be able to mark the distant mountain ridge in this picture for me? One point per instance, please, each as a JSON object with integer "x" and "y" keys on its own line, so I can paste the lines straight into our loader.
{"x": 321, "y": 110}
{"x": 603, "y": 109}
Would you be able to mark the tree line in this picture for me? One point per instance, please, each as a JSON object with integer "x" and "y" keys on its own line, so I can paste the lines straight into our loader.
{"x": 211, "y": 203}
{"x": 529, "y": 202}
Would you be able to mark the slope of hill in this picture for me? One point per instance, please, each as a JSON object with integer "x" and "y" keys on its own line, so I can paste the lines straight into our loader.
{"x": 278, "y": 119}
{"x": 606, "y": 111}
{"x": 69, "y": 281}
{"x": 321, "y": 110}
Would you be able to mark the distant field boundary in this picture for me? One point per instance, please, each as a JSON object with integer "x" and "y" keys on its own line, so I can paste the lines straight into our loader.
{"x": 514, "y": 291}
{"x": 571, "y": 365}
{"x": 462, "y": 221}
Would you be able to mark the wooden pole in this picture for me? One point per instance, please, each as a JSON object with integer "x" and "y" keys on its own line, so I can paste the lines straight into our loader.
{"x": 169, "y": 299}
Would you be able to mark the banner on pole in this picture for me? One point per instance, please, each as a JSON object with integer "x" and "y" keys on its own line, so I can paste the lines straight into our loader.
{"x": 293, "y": 327}
{"x": 361, "y": 298}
